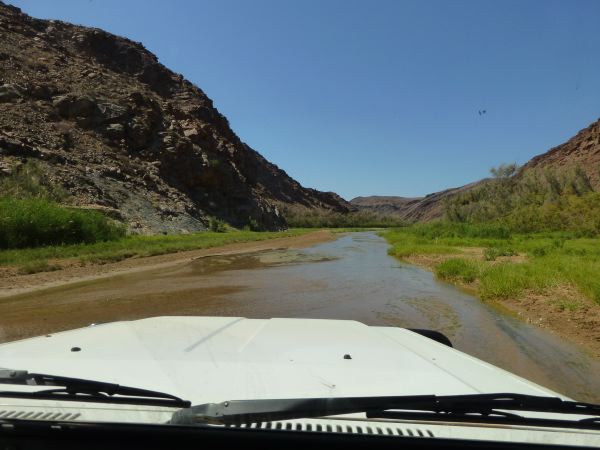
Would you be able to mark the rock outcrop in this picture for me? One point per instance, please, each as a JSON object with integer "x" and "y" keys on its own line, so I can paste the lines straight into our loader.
{"x": 123, "y": 133}
{"x": 582, "y": 150}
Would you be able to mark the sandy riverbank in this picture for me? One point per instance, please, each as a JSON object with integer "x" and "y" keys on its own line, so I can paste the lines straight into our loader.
{"x": 12, "y": 283}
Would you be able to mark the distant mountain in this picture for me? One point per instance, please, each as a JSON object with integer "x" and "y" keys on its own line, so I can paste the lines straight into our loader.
{"x": 121, "y": 132}
{"x": 582, "y": 151}
{"x": 416, "y": 209}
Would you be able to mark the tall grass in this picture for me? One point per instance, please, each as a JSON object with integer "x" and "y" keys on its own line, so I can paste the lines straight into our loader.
{"x": 460, "y": 269}
{"x": 547, "y": 260}
{"x": 31, "y": 216}
{"x": 30, "y": 180}
{"x": 37, "y": 222}
{"x": 444, "y": 229}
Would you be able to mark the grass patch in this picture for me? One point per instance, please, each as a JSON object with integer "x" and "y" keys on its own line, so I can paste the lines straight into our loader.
{"x": 137, "y": 246}
{"x": 36, "y": 267}
{"x": 406, "y": 249}
{"x": 566, "y": 304}
{"x": 509, "y": 280}
{"x": 491, "y": 253}
{"x": 353, "y": 229}
{"x": 554, "y": 259}
{"x": 458, "y": 269}
{"x": 406, "y": 243}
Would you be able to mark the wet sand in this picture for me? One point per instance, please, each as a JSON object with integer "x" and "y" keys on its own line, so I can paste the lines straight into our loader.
{"x": 348, "y": 278}
{"x": 11, "y": 283}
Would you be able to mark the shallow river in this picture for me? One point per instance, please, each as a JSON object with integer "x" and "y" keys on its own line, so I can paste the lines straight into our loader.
{"x": 349, "y": 278}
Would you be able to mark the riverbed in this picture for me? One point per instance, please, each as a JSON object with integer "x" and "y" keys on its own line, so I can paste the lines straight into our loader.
{"x": 351, "y": 278}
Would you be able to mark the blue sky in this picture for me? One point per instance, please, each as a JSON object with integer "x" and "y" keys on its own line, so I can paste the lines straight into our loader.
{"x": 375, "y": 97}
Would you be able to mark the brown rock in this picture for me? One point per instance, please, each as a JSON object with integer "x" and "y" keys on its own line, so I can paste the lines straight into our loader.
{"x": 9, "y": 93}
{"x": 71, "y": 106}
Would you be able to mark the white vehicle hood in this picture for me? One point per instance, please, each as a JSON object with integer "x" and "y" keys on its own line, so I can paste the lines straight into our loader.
{"x": 212, "y": 359}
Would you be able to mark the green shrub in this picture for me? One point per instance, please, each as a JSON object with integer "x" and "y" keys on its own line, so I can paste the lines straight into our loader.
{"x": 38, "y": 222}
{"x": 253, "y": 225}
{"x": 217, "y": 225}
{"x": 532, "y": 201}
{"x": 300, "y": 217}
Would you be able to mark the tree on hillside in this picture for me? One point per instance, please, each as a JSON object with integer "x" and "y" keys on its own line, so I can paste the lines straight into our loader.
{"x": 504, "y": 171}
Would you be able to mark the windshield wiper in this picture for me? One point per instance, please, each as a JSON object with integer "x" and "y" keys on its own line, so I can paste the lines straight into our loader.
{"x": 475, "y": 407}
{"x": 78, "y": 389}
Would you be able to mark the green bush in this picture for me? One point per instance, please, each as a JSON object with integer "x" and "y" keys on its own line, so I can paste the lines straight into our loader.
{"x": 531, "y": 201}
{"x": 217, "y": 225}
{"x": 253, "y": 225}
{"x": 37, "y": 222}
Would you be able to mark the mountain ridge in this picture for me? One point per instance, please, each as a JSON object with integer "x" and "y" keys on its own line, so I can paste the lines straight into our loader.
{"x": 123, "y": 133}
{"x": 582, "y": 150}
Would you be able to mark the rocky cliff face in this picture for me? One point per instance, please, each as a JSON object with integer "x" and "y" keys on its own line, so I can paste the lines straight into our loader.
{"x": 123, "y": 133}
{"x": 583, "y": 150}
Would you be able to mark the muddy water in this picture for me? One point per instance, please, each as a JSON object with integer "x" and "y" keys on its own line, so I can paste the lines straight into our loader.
{"x": 350, "y": 278}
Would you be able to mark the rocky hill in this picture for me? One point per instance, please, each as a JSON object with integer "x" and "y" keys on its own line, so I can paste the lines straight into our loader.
{"x": 581, "y": 151}
{"x": 122, "y": 133}
{"x": 385, "y": 204}
{"x": 416, "y": 209}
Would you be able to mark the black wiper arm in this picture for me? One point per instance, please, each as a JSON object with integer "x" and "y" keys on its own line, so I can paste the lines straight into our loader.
{"x": 78, "y": 389}
{"x": 236, "y": 412}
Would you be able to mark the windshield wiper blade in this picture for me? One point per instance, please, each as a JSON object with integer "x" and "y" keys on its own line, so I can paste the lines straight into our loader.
{"x": 472, "y": 406}
{"x": 79, "y": 389}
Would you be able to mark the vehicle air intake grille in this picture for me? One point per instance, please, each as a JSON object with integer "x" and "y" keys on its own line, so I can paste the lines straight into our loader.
{"x": 39, "y": 415}
{"x": 387, "y": 429}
